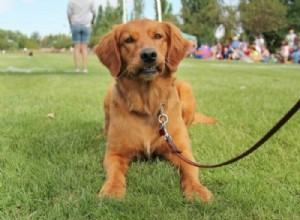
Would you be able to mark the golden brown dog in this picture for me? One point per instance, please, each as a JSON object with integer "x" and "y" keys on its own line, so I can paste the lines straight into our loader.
{"x": 143, "y": 55}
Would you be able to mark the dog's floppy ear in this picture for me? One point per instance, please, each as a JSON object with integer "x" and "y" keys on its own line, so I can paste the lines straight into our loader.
{"x": 178, "y": 46}
{"x": 108, "y": 53}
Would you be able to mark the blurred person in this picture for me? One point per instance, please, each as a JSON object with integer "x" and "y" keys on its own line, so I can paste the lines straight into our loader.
{"x": 192, "y": 50}
{"x": 285, "y": 52}
{"x": 217, "y": 51}
{"x": 242, "y": 53}
{"x": 81, "y": 16}
{"x": 265, "y": 54}
{"x": 244, "y": 47}
{"x": 259, "y": 41}
{"x": 296, "y": 52}
{"x": 228, "y": 49}
{"x": 254, "y": 55}
{"x": 235, "y": 42}
{"x": 290, "y": 38}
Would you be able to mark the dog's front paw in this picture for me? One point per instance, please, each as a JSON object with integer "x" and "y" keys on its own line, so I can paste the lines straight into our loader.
{"x": 112, "y": 190}
{"x": 195, "y": 190}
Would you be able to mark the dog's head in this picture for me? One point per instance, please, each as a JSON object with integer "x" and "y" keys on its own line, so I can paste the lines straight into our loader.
{"x": 142, "y": 49}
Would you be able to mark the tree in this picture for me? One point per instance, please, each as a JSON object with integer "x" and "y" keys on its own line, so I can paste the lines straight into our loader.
{"x": 4, "y": 44}
{"x": 105, "y": 20}
{"x": 62, "y": 41}
{"x": 167, "y": 12}
{"x": 12, "y": 40}
{"x": 262, "y": 16}
{"x": 34, "y": 40}
{"x": 31, "y": 44}
{"x": 266, "y": 17}
{"x": 138, "y": 8}
{"x": 201, "y": 18}
{"x": 292, "y": 19}
{"x": 292, "y": 15}
{"x": 56, "y": 41}
{"x": 230, "y": 18}
{"x": 36, "y": 36}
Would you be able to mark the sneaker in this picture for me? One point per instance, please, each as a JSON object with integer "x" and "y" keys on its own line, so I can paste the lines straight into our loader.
{"x": 85, "y": 71}
{"x": 77, "y": 70}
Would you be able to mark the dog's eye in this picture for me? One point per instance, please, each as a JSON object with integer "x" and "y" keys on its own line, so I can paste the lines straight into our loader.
{"x": 129, "y": 40}
{"x": 157, "y": 36}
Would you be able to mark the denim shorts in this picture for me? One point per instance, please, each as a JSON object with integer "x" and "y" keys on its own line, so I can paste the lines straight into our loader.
{"x": 80, "y": 33}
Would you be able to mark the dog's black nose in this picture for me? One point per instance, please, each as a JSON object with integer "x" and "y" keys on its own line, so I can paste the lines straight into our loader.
{"x": 148, "y": 55}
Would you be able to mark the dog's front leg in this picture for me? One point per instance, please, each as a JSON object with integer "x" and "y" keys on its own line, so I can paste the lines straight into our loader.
{"x": 116, "y": 166}
{"x": 191, "y": 186}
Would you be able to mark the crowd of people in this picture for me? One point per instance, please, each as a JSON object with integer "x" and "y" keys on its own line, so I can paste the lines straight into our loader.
{"x": 237, "y": 49}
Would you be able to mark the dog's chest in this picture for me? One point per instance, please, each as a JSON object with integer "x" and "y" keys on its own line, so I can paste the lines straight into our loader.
{"x": 150, "y": 140}
{"x": 147, "y": 150}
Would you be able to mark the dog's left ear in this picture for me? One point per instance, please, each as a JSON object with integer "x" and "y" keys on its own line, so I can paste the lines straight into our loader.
{"x": 108, "y": 53}
{"x": 178, "y": 46}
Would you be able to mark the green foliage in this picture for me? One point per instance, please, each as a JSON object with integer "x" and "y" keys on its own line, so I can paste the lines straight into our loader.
{"x": 36, "y": 36}
{"x": 56, "y": 41}
{"x": 167, "y": 12}
{"x": 105, "y": 20}
{"x": 272, "y": 18}
{"x": 201, "y": 18}
{"x": 230, "y": 20}
{"x": 262, "y": 16}
{"x": 138, "y": 9}
{"x": 10, "y": 40}
{"x": 31, "y": 44}
{"x": 52, "y": 169}
{"x": 293, "y": 15}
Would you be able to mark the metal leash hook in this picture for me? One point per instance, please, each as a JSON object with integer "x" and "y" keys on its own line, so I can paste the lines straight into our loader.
{"x": 163, "y": 120}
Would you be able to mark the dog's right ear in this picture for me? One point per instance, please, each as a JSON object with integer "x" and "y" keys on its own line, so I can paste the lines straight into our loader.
{"x": 178, "y": 46}
{"x": 108, "y": 53}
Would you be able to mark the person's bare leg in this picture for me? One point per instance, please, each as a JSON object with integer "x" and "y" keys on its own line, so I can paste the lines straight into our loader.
{"x": 77, "y": 48}
{"x": 84, "y": 51}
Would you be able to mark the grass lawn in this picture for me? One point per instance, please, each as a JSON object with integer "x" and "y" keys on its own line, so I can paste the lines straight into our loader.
{"x": 52, "y": 168}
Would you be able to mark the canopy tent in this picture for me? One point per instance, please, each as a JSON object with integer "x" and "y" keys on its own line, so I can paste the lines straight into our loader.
{"x": 191, "y": 38}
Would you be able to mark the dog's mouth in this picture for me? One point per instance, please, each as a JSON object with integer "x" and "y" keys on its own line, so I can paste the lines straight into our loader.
{"x": 149, "y": 71}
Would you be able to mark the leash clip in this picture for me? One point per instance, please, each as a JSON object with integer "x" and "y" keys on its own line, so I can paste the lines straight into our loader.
{"x": 163, "y": 120}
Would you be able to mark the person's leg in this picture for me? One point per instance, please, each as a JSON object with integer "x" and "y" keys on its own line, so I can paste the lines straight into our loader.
{"x": 85, "y": 37}
{"x": 77, "y": 49}
{"x": 285, "y": 60}
{"x": 76, "y": 42}
{"x": 84, "y": 51}
{"x": 296, "y": 57}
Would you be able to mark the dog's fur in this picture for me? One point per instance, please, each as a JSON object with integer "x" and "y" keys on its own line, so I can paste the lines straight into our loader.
{"x": 133, "y": 102}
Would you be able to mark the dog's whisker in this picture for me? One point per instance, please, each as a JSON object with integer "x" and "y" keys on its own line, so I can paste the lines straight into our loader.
{"x": 166, "y": 63}
{"x": 121, "y": 74}
{"x": 128, "y": 72}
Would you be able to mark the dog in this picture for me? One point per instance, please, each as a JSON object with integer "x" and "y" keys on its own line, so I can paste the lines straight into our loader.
{"x": 142, "y": 56}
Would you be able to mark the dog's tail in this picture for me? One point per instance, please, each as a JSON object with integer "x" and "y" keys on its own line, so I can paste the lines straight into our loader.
{"x": 203, "y": 119}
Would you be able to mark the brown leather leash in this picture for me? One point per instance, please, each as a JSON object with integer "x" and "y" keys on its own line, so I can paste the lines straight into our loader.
{"x": 163, "y": 120}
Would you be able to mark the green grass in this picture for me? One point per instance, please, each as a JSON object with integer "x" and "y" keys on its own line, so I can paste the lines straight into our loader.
{"x": 52, "y": 169}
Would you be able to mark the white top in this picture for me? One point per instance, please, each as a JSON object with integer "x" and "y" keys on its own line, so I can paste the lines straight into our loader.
{"x": 290, "y": 39}
{"x": 79, "y": 11}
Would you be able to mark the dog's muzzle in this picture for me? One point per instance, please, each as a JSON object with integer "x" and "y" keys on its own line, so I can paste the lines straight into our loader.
{"x": 148, "y": 55}
{"x": 149, "y": 59}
